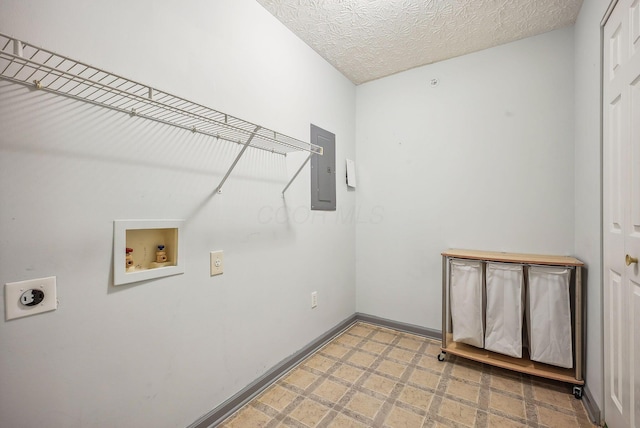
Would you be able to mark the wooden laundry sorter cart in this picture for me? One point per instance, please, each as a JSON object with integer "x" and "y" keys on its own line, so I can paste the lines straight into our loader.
{"x": 573, "y": 375}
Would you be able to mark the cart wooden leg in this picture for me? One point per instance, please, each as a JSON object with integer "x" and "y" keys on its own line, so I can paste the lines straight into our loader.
{"x": 444, "y": 302}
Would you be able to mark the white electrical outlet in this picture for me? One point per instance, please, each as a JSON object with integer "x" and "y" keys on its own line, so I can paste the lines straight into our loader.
{"x": 217, "y": 262}
{"x": 30, "y": 297}
{"x": 314, "y": 299}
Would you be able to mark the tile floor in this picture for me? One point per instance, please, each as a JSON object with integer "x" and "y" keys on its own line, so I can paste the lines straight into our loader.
{"x": 371, "y": 376}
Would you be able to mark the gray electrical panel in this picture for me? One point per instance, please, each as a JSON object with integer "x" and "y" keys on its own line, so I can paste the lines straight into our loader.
{"x": 323, "y": 171}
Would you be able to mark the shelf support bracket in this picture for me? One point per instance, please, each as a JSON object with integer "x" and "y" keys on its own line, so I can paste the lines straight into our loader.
{"x": 296, "y": 174}
{"x": 235, "y": 162}
{"x": 17, "y": 48}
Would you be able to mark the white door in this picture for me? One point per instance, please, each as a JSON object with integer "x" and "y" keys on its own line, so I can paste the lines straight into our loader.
{"x": 621, "y": 214}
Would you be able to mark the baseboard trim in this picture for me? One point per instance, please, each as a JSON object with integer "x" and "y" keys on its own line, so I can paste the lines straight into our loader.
{"x": 591, "y": 407}
{"x": 396, "y": 325}
{"x": 226, "y": 409}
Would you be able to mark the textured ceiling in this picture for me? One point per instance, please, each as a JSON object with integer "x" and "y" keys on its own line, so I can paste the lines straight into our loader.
{"x": 369, "y": 39}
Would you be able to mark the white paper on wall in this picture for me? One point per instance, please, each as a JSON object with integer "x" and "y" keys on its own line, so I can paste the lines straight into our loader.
{"x": 466, "y": 302}
{"x": 505, "y": 308}
{"x": 351, "y": 173}
{"x": 549, "y": 316}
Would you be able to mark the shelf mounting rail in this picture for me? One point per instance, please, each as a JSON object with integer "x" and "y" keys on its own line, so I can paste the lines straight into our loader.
{"x": 45, "y": 70}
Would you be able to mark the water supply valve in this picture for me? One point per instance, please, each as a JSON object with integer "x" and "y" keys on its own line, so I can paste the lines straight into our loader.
{"x": 128, "y": 260}
{"x": 161, "y": 255}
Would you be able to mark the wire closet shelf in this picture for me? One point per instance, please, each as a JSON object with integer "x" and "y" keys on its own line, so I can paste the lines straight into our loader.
{"x": 25, "y": 63}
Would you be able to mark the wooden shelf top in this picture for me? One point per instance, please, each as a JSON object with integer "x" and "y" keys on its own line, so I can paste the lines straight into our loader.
{"x": 537, "y": 259}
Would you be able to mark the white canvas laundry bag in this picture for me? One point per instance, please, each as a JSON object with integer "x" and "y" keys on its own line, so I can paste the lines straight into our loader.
{"x": 549, "y": 315}
{"x": 466, "y": 302}
{"x": 505, "y": 308}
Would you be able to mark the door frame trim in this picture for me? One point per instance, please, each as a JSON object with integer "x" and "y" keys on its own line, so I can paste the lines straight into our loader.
{"x": 608, "y": 12}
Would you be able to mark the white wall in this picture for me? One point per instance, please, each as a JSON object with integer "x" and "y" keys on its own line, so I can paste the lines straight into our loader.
{"x": 164, "y": 352}
{"x": 484, "y": 161}
{"x": 588, "y": 189}
{"x": 434, "y": 166}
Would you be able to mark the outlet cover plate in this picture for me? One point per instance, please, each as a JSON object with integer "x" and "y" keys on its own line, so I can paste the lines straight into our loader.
{"x": 13, "y": 308}
{"x": 217, "y": 262}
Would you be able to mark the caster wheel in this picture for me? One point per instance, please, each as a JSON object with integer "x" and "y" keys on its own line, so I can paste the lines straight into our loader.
{"x": 441, "y": 356}
{"x": 577, "y": 392}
